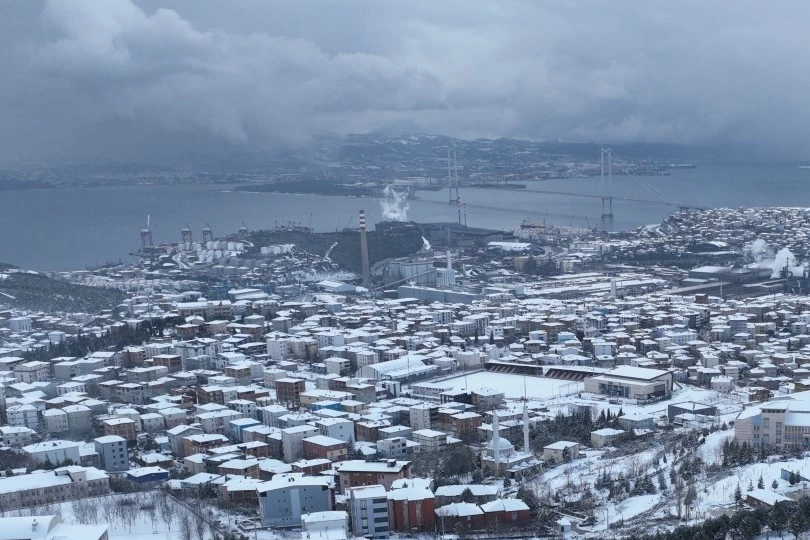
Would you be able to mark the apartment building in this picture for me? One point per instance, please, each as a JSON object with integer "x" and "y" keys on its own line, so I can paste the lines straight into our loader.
{"x": 368, "y": 511}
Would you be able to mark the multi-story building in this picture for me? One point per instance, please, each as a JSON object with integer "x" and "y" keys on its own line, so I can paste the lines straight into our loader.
{"x": 80, "y": 419}
{"x": 337, "y": 428}
{"x": 16, "y": 435}
{"x": 217, "y": 421}
{"x": 394, "y": 448}
{"x": 23, "y": 415}
{"x": 32, "y": 371}
{"x": 321, "y": 446}
{"x": 113, "y": 453}
{"x": 63, "y": 484}
{"x": 286, "y": 497}
{"x": 430, "y": 440}
{"x": 356, "y": 473}
{"x": 368, "y": 511}
{"x": 197, "y": 347}
{"x": 54, "y": 451}
{"x": 173, "y": 417}
{"x": 410, "y": 509}
{"x": 201, "y": 442}
{"x": 123, "y": 427}
{"x": 152, "y": 423}
{"x": 172, "y": 362}
{"x": 783, "y": 425}
{"x": 56, "y": 421}
{"x": 292, "y": 441}
{"x": 289, "y": 390}
{"x": 20, "y": 325}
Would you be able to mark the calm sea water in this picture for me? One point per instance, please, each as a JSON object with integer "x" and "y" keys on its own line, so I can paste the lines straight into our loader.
{"x": 69, "y": 229}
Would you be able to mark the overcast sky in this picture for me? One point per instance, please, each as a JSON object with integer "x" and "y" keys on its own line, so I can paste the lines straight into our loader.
{"x": 151, "y": 80}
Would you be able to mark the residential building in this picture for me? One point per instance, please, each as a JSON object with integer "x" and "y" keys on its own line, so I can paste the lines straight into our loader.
{"x": 123, "y": 427}
{"x": 368, "y": 511}
{"x": 284, "y": 499}
{"x": 54, "y": 452}
{"x": 355, "y": 473}
{"x": 321, "y": 446}
{"x": 411, "y": 509}
{"x": 561, "y": 451}
{"x": 292, "y": 441}
{"x": 113, "y": 453}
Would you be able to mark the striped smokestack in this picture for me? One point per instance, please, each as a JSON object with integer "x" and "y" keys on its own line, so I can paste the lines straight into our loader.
{"x": 364, "y": 249}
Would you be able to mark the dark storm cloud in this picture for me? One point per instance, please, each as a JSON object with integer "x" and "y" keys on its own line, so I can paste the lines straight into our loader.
{"x": 147, "y": 80}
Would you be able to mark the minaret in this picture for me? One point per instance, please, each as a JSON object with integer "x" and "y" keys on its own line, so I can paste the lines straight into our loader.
{"x": 525, "y": 428}
{"x": 496, "y": 439}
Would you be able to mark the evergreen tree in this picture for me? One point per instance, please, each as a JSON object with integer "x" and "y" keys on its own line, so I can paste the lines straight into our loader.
{"x": 467, "y": 495}
{"x": 797, "y": 523}
{"x": 778, "y": 518}
{"x": 760, "y": 483}
{"x": 738, "y": 497}
{"x": 775, "y": 484}
{"x": 507, "y": 483}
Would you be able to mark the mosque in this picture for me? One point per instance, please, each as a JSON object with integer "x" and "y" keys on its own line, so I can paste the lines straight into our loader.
{"x": 501, "y": 457}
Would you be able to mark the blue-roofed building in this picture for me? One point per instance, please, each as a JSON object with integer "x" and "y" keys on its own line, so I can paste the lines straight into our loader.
{"x": 148, "y": 476}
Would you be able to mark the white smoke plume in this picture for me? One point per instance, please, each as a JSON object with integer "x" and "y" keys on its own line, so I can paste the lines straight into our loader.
{"x": 394, "y": 206}
{"x": 763, "y": 256}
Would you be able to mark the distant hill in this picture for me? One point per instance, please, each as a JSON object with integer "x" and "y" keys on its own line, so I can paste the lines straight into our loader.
{"x": 346, "y": 253}
{"x": 38, "y": 292}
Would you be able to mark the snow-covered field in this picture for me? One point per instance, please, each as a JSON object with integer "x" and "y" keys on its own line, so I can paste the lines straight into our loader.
{"x": 512, "y": 385}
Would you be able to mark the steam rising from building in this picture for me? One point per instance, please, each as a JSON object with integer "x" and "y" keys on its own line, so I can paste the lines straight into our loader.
{"x": 394, "y": 206}
{"x": 764, "y": 257}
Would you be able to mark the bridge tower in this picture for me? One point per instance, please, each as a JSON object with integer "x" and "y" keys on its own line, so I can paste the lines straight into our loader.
{"x": 146, "y": 235}
{"x": 452, "y": 177}
{"x": 606, "y": 157}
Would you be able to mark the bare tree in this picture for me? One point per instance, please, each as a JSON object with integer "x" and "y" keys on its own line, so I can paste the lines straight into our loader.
{"x": 78, "y": 508}
{"x": 166, "y": 510}
{"x": 200, "y": 526}
{"x": 186, "y": 526}
{"x": 108, "y": 510}
{"x": 91, "y": 511}
{"x": 679, "y": 491}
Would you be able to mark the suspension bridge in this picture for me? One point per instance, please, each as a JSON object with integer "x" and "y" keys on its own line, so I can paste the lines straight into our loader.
{"x": 636, "y": 190}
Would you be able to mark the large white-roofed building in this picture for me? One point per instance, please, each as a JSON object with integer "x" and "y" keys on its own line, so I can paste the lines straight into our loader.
{"x": 631, "y": 382}
{"x": 411, "y": 367}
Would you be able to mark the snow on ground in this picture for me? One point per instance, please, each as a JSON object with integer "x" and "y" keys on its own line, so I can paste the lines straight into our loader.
{"x": 632, "y": 507}
{"x": 728, "y": 406}
{"x": 512, "y": 385}
{"x": 722, "y": 491}
{"x": 711, "y": 452}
